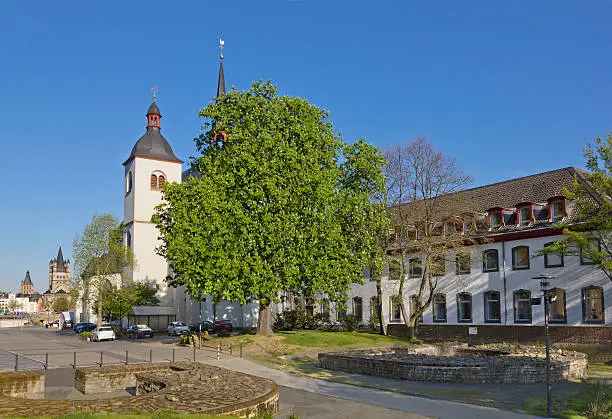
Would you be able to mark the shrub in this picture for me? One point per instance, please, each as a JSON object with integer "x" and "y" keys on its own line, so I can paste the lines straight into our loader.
{"x": 85, "y": 335}
{"x": 190, "y": 339}
{"x": 118, "y": 331}
{"x": 350, "y": 322}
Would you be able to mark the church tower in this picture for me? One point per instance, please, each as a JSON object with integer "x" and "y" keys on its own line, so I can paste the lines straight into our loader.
{"x": 59, "y": 274}
{"x": 27, "y": 286}
{"x": 149, "y": 167}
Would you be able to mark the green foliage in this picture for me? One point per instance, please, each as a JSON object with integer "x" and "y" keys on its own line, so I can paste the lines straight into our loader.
{"x": 325, "y": 339}
{"x": 281, "y": 204}
{"x": 85, "y": 334}
{"x": 298, "y": 319}
{"x": 589, "y": 236}
{"x": 190, "y": 339}
{"x": 594, "y": 401}
{"x": 61, "y": 304}
{"x": 350, "y": 322}
{"x": 117, "y": 301}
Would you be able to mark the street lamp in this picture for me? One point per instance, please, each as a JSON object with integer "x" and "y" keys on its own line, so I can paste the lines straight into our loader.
{"x": 545, "y": 287}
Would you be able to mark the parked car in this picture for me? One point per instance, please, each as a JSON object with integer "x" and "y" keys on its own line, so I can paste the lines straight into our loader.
{"x": 206, "y": 325}
{"x": 67, "y": 324}
{"x": 139, "y": 331}
{"x": 84, "y": 327}
{"x": 103, "y": 333}
{"x": 223, "y": 325}
{"x": 178, "y": 328}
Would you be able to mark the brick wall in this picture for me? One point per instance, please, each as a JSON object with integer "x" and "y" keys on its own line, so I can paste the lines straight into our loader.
{"x": 498, "y": 333}
{"x": 23, "y": 384}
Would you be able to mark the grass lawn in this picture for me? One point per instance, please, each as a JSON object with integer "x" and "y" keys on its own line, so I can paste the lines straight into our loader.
{"x": 594, "y": 401}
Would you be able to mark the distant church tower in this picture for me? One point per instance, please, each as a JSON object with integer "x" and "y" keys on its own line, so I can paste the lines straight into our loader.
{"x": 59, "y": 274}
{"x": 149, "y": 167}
{"x": 27, "y": 286}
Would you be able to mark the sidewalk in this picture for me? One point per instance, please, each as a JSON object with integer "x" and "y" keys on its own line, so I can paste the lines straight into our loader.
{"x": 428, "y": 407}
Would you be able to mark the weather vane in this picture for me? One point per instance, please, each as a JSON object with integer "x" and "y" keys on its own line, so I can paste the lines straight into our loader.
{"x": 221, "y": 44}
{"x": 154, "y": 90}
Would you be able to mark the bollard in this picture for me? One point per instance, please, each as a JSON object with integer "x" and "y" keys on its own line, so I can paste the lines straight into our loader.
{"x": 74, "y": 361}
{"x": 150, "y": 355}
{"x": 101, "y": 358}
{"x": 241, "y": 350}
{"x": 218, "y": 351}
{"x": 172, "y": 354}
{"x": 194, "y": 348}
{"x": 231, "y": 352}
{"x": 126, "y": 357}
{"x": 16, "y": 361}
{"x": 47, "y": 361}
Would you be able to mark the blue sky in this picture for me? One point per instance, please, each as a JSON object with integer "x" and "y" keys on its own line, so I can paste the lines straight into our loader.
{"x": 508, "y": 88}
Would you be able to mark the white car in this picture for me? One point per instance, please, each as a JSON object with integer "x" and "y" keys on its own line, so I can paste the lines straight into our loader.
{"x": 178, "y": 328}
{"x": 102, "y": 333}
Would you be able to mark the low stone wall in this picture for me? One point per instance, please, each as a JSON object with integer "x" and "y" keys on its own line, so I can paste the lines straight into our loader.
{"x": 402, "y": 364}
{"x": 508, "y": 333}
{"x": 177, "y": 387}
{"x": 94, "y": 380}
{"x": 23, "y": 384}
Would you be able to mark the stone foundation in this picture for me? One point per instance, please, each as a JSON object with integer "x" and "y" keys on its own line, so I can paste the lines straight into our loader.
{"x": 177, "y": 387}
{"x": 523, "y": 367}
{"x": 23, "y": 384}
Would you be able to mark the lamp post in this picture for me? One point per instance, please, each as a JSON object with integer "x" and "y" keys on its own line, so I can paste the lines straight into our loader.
{"x": 545, "y": 287}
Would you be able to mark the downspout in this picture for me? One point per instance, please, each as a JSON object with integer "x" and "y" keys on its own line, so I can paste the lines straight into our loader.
{"x": 504, "y": 279}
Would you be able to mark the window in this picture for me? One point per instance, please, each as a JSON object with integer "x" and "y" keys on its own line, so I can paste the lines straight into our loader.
{"x": 557, "y": 306}
{"x": 414, "y": 304}
{"x": 557, "y": 209}
{"x": 464, "y": 307}
{"x": 325, "y": 307}
{"x": 374, "y": 309}
{"x": 128, "y": 239}
{"x": 438, "y": 265}
{"x": 524, "y": 215}
{"x": 490, "y": 261}
{"x": 495, "y": 220}
{"x": 340, "y": 314}
{"x": 128, "y": 186}
{"x": 415, "y": 268}
{"x": 309, "y": 306}
{"x": 594, "y": 246}
{"x": 522, "y": 306}
{"x": 492, "y": 307}
{"x": 439, "y": 308}
{"x": 358, "y": 308}
{"x": 153, "y": 181}
{"x": 161, "y": 181}
{"x": 520, "y": 258}
{"x": 552, "y": 260}
{"x": 394, "y": 270}
{"x": 592, "y": 305}
{"x": 395, "y": 308}
{"x": 463, "y": 264}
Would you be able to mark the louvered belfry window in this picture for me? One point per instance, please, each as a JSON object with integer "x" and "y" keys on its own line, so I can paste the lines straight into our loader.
{"x": 153, "y": 181}
{"x": 161, "y": 181}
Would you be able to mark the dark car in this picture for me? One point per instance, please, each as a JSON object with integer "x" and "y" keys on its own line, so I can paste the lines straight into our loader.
{"x": 84, "y": 327}
{"x": 140, "y": 331}
{"x": 206, "y": 326}
{"x": 223, "y": 325}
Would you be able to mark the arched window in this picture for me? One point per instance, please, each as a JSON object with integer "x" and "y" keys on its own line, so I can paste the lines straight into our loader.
{"x": 439, "y": 308}
{"x": 520, "y": 258}
{"x": 153, "y": 181}
{"x": 464, "y": 307}
{"x": 128, "y": 183}
{"x": 558, "y": 312}
{"x": 463, "y": 264}
{"x": 522, "y": 306}
{"x": 552, "y": 260}
{"x": 161, "y": 181}
{"x": 492, "y": 307}
{"x": 592, "y": 305}
{"x": 490, "y": 261}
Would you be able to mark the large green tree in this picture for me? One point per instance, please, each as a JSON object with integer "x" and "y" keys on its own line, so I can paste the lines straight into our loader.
{"x": 119, "y": 299}
{"x": 589, "y": 230}
{"x": 278, "y": 204}
{"x": 99, "y": 259}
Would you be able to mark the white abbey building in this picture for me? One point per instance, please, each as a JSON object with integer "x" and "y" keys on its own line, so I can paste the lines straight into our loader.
{"x": 151, "y": 165}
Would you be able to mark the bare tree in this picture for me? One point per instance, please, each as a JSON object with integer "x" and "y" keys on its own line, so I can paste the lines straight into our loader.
{"x": 424, "y": 219}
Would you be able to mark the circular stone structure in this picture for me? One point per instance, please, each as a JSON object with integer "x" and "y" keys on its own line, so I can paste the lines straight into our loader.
{"x": 460, "y": 364}
{"x": 182, "y": 387}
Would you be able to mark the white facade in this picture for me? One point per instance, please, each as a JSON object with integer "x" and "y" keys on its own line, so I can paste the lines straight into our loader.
{"x": 23, "y": 304}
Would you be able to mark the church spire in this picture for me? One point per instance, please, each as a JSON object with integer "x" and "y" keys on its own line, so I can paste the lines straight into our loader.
{"x": 60, "y": 261}
{"x": 221, "y": 82}
{"x": 153, "y": 114}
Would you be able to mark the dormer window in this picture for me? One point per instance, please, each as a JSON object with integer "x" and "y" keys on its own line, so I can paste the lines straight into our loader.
{"x": 495, "y": 219}
{"x": 557, "y": 209}
{"x": 524, "y": 215}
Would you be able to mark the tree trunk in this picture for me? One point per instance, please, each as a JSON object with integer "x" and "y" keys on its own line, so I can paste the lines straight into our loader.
{"x": 381, "y": 319}
{"x": 264, "y": 320}
{"x": 412, "y": 331}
